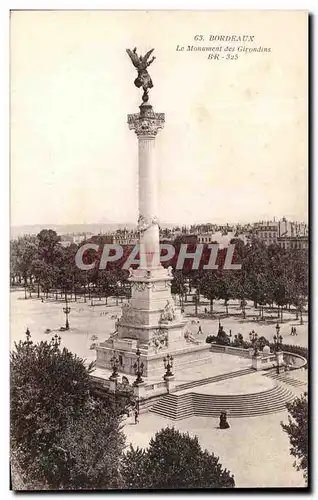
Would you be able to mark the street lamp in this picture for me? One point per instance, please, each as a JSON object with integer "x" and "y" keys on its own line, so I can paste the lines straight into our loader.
{"x": 253, "y": 336}
{"x": 66, "y": 311}
{"x": 278, "y": 339}
{"x": 28, "y": 342}
{"x": 196, "y": 304}
{"x": 114, "y": 364}
{"x": 56, "y": 341}
{"x": 139, "y": 369}
{"x": 168, "y": 364}
{"x": 220, "y": 326}
{"x": 254, "y": 340}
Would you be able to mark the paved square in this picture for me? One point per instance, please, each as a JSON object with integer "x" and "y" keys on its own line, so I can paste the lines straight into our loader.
{"x": 255, "y": 449}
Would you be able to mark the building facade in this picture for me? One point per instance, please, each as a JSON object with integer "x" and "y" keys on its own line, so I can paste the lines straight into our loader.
{"x": 285, "y": 233}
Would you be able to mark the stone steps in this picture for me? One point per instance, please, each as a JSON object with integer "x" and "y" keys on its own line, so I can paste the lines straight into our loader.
{"x": 282, "y": 377}
{"x": 216, "y": 378}
{"x": 177, "y": 407}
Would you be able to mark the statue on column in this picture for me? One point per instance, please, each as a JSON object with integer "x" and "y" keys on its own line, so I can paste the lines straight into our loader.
{"x": 141, "y": 63}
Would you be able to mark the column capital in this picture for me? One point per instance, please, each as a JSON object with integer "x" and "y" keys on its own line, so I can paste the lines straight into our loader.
{"x": 146, "y": 123}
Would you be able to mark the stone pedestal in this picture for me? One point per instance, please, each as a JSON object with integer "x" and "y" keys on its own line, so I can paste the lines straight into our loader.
{"x": 112, "y": 385}
{"x": 280, "y": 358}
{"x": 257, "y": 362}
{"x": 139, "y": 391}
{"x": 170, "y": 383}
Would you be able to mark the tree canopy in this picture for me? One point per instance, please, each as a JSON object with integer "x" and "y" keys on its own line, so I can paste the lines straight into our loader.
{"x": 297, "y": 430}
{"x": 63, "y": 435}
{"x": 172, "y": 461}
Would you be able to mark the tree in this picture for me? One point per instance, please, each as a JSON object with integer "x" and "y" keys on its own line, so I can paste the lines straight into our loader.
{"x": 178, "y": 285}
{"x": 24, "y": 252}
{"x": 47, "y": 384}
{"x": 134, "y": 468}
{"x": 297, "y": 430}
{"x": 45, "y": 275}
{"x": 87, "y": 453}
{"x": 174, "y": 460}
{"x": 106, "y": 282}
{"x": 225, "y": 288}
{"x": 298, "y": 280}
{"x": 14, "y": 263}
{"x": 48, "y": 242}
{"x": 63, "y": 435}
{"x": 209, "y": 287}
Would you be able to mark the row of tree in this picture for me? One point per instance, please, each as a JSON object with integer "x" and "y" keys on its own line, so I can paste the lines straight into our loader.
{"x": 269, "y": 274}
{"x": 42, "y": 265}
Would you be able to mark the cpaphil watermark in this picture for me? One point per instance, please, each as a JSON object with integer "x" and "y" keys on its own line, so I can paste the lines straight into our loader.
{"x": 112, "y": 252}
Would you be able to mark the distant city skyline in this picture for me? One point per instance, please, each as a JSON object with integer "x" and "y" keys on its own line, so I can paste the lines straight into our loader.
{"x": 165, "y": 223}
{"x": 95, "y": 228}
{"x": 234, "y": 146}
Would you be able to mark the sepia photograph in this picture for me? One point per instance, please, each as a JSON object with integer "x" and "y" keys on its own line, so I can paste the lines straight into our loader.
{"x": 159, "y": 240}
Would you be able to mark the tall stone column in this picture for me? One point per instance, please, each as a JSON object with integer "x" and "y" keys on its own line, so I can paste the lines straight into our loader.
{"x": 146, "y": 125}
{"x": 151, "y": 325}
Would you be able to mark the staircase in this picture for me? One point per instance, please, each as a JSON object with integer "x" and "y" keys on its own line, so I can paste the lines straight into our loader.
{"x": 282, "y": 377}
{"x": 177, "y": 407}
{"x": 216, "y": 378}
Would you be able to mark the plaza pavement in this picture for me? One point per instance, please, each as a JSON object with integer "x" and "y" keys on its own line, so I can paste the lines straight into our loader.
{"x": 87, "y": 320}
{"x": 246, "y": 384}
{"x": 255, "y": 449}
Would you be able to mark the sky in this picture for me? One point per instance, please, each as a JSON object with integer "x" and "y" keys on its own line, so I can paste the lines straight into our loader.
{"x": 234, "y": 145}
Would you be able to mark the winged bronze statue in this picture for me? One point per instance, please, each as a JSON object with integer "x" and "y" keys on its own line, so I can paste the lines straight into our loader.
{"x": 141, "y": 63}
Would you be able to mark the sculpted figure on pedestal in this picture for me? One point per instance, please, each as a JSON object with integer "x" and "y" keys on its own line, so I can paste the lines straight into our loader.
{"x": 145, "y": 222}
{"x": 168, "y": 314}
{"x": 159, "y": 339}
{"x": 170, "y": 271}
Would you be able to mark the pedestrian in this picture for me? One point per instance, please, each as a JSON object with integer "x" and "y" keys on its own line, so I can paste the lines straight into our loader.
{"x": 200, "y": 330}
{"x": 205, "y": 310}
{"x": 295, "y": 331}
{"x": 292, "y": 330}
{"x": 136, "y": 417}
{"x": 223, "y": 420}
